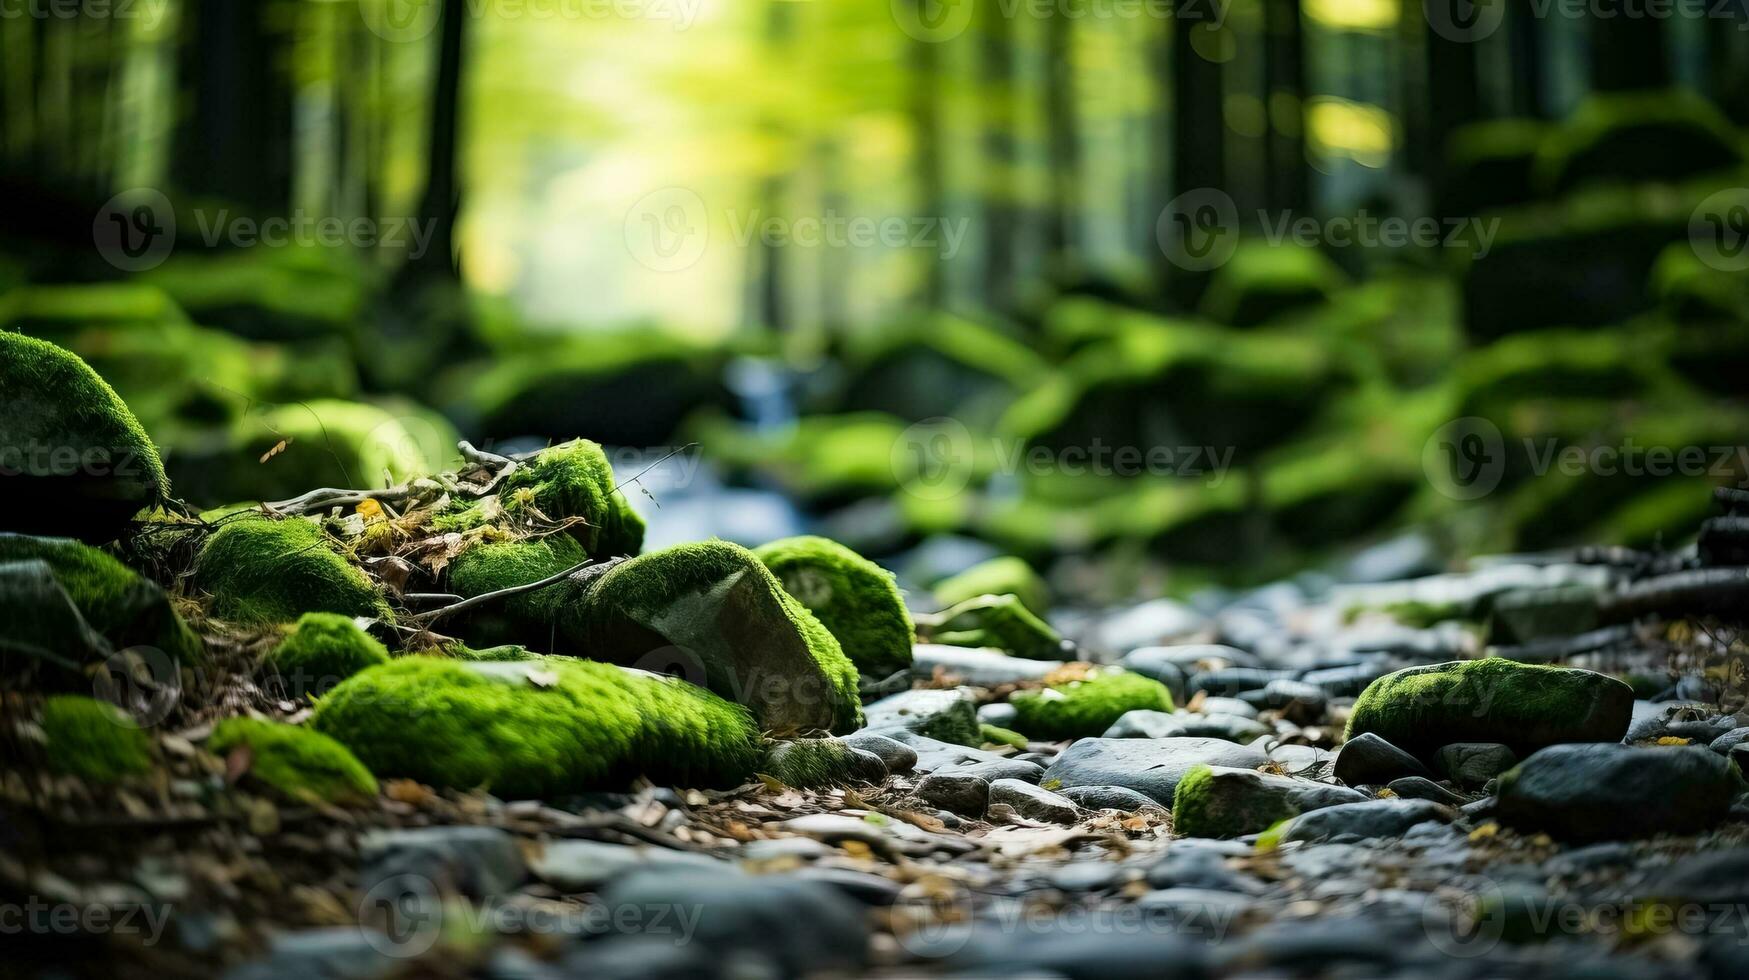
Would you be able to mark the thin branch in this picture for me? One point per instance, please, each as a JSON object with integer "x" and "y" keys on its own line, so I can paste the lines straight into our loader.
{"x": 432, "y": 615}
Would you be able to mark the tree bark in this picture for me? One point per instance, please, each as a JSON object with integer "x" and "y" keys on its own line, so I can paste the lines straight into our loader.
{"x": 1000, "y": 195}
{"x": 441, "y": 201}
{"x": 1063, "y": 139}
{"x": 236, "y": 142}
{"x": 1284, "y": 82}
{"x": 1629, "y": 53}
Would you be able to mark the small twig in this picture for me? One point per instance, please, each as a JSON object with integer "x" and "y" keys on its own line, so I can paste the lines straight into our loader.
{"x": 432, "y": 615}
{"x": 328, "y": 497}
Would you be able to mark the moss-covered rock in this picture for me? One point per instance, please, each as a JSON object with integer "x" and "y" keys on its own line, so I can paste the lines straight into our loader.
{"x": 539, "y": 728}
{"x": 713, "y": 611}
{"x": 996, "y": 735}
{"x": 943, "y": 715}
{"x": 1224, "y": 802}
{"x": 1492, "y": 164}
{"x": 1086, "y": 708}
{"x": 1006, "y": 575}
{"x": 322, "y": 650}
{"x": 73, "y": 460}
{"x": 1638, "y": 136}
{"x": 259, "y": 570}
{"x": 857, "y": 600}
{"x": 293, "y": 293}
{"x": 284, "y": 450}
{"x": 812, "y": 763}
{"x": 93, "y": 740}
{"x": 529, "y": 617}
{"x": 123, "y": 607}
{"x": 936, "y": 365}
{"x": 304, "y": 765}
{"x": 1262, "y": 281}
{"x": 1524, "y": 706}
{"x": 574, "y": 482}
{"x": 996, "y": 621}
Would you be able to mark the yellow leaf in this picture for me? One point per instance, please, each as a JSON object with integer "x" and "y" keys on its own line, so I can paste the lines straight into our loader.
{"x": 370, "y": 510}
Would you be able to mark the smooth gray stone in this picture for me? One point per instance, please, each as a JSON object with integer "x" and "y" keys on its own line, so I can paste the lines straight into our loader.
{"x": 956, "y": 792}
{"x": 1148, "y": 624}
{"x": 1034, "y": 803}
{"x": 1368, "y": 760}
{"x": 1151, "y": 767}
{"x": 1422, "y": 788}
{"x": 1106, "y": 798}
{"x": 979, "y": 668}
{"x": 1373, "y": 818}
{"x": 479, "y": 862}
{"x": 1730, "y": 740}
{"x": 573, "y": 866}
{"x": 934, "y": 713}
{"x": 1189, "y": 864}
{"x": 1607, "y": 791}
{"x": 1158, "y": 663}
{"x": 337, "y": 953}
{"x": 1217, "y": 705}
{"x": 999, "y": 713}
{"x": 1232, "y": 681}
{"x": 894, "y": 754}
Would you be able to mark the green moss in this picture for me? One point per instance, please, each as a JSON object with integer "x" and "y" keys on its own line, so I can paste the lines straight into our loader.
{"x": 540, "y": 728}
{"x": 529, "y": 617}
{"x": 302, "y": 764}
{"x": 76, "y": 461}
{"x": 123, "y": 607}
{"x": 261, "y": 570}
{"x": 280, "y": 293}
{"x": 1085, "y": 708}
{"x": 718, "y": 607}
{"x": 1638, "y": 136}
{"x": 575, "y": 481}
{"x": 1206, "y": 806}
{"x": 854, "y": 598}
{"x": 93, "y": 740}
{"x": 1525, "y": 706}
{"x": 998, "y": 576}
{"x": 322, "y": 650}
{"x": 995, "y": 735}
{"x": 1491, "y": 164}
{"x": 936, "y": 365}
{"x": 834, "y": 458}
{"x": 996, "y": 621}
{"x": 1262, "y": 281}
{"x": 508, "y": 653}
{"x": 811, "y": 763}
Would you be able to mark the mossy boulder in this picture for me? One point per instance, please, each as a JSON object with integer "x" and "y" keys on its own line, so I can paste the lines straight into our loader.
{"x": 93, "y": 740}
{"x": 573, "y": 482}
{"x": 297, "y": 762}
{"x": 857, "y": 600}
{"x": 262, "y": 571}
{"x": 1262, "y": 281}
{"x": 813, "y": 763}
{"x": 999, "y": 622}
{"x": 1492, "y": 164}
{"x": 1618, "y": 792}
{"x": 292, "y": 293}
{"x": 73, "y": 460}
{"x": 1524, "y": 706}
{"x": 280, "y": 451}
{"x": 528, "y": 617}
{"x": 537, "y": 728}
{"x": 1224, "y": 802}
{"x": 936, "y": 365}
{"x": 943, "y": 715}
{"x": 322, "y": 650}
{"x": 999, "y": 736}
{"x": 122, "y": 607}
{"x": 1086, "y": 708}
{"x": 1638, "y": 136}
{"x": 714, "y": 612}
{"x": 1006, "y": 575}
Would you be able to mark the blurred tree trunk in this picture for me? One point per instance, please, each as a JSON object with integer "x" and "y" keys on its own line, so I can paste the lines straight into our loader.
{"x": 1728, "y": 74}
{"x": 767, "y": 273}
{"x": 1284, "y": 84}
{"x": 441, "y": 200}
{"x": 236, "y": 141}
{"x": 931, "y": 181}
{"x": 1629, "y": 53}
{"x": 1525, "y": 35}
{"x": 1453, "y": 98}
{"x": 1063, "y": 146}
{"x": 1199, "y": 128}
{"x": 1001, "y": 196}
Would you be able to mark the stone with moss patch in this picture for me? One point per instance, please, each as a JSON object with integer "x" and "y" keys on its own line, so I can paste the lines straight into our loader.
{"x": 999, "y": 622}
{"x": 93, "y": 740}
{"x": 1087, "y": 707}
{"x": 810, "y": 763}
{"x": 322, "y": 650}
{"x": 1524, "y": 706}
{"x": 998, "y": 576}
{"x": 944, "y": 715}
{"x": 537, "y": 728}
{"x": 1223, "y": 802}
{"x": 125, "y": 608}
{"x": 262, "y": 570}
{"x": 304, "y": 765}
{"x": 713, "y": 612}
{"x": 1263, "y": 281}
{"x": 528, "y": 617}
{"x": 854, "y": 598}
{"x": 1658, "y": 136}
{"x": 574, "y": 483}
{"x": 73, "y": 460}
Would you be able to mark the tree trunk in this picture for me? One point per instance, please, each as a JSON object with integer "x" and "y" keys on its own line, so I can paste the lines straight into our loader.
{"x": 441, "y": 200}
{"x": 1063, "y": 144}
{"x": 236, "y": 142}
{"x": 1284, "y": 81}
{"x": 931, "y": 183}
{"x": 1528, "y": 63}
{"x": 1454, "y": 99}
{"x": 1001, "y": 196}
{"x": 1199, "y": 128}
{"x": 1629, "y": 53}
